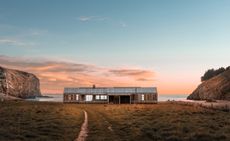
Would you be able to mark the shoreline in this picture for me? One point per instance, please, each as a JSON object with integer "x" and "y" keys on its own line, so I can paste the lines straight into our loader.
{"x": 223, "y": 105}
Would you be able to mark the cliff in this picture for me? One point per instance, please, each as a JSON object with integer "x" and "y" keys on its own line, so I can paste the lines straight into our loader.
{"x": 216, "y": 88}
{"x": 18, "y": 84}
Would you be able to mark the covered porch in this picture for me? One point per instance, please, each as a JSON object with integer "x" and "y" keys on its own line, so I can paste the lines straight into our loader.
{"x": 120, "y": 99}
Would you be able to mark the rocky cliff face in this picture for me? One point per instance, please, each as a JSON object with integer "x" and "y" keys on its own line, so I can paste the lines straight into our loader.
{"x": 19, "y": 84}
{"x": 216, "y": 88}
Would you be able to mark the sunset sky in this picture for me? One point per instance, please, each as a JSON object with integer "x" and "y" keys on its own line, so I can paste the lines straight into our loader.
{"x": 67, "y": 43}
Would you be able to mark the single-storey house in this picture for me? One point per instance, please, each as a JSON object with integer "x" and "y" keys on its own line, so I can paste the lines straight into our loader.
{"x": 110, "y": 95}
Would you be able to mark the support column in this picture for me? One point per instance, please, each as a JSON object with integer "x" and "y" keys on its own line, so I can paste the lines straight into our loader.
{"x": 130, "y": 99}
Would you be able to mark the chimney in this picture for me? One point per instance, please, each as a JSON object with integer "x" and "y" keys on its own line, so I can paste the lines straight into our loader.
{"x": 94, "y": 86}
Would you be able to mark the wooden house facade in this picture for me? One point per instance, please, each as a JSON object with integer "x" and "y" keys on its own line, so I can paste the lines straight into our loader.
{"x": 110, "y": 95}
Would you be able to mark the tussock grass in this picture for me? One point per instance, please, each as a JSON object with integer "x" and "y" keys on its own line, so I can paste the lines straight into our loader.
{"x": 39, "y": 121}
{"x": 164, "y": 121}
{"x": 147, "y": 122}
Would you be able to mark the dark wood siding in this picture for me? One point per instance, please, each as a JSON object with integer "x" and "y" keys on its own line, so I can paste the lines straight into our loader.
{"x": 135, "y": 98}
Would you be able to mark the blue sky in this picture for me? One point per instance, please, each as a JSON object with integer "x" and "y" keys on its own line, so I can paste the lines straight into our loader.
{"x": 176, "y": 39}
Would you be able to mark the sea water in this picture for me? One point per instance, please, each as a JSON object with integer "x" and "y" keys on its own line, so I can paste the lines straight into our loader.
{"x": 172, "y": 97}
{"x": 49, "y": 98}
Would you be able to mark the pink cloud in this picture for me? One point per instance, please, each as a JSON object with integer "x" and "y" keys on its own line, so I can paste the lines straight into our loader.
{"x": 55, "y": 75}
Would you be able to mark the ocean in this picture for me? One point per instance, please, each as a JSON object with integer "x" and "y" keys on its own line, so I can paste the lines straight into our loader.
{"x": 176, "y": 97}
{"x": 59, "y": 97}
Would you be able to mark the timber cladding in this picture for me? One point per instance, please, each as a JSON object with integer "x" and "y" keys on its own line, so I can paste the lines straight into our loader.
{"x": 110, "y": 95}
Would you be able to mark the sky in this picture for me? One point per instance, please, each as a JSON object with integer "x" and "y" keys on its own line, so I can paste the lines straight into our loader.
{"x": 168, "y": 44}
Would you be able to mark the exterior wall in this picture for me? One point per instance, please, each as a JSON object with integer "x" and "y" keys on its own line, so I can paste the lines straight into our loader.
{"x": 137, "y": 94}
{"x": 135, "y": 98}
{"x": 72, "y": 98}
{"x": 148, "y": 98}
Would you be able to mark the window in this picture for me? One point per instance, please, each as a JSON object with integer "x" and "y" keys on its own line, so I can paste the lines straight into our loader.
{"x": 103, "y": 97}
{"x": 88, "y": 98}
{"x": 142, "y": 97}
{"x": 69, "y": 97}
{"x": 77, "y": 97}
{"x": 97, "y": 97}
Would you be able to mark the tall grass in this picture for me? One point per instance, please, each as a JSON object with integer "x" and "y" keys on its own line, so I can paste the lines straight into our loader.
{"x": 147, "y": 122}
{"x": 166, "y": 121}
{"x": 39, "y": 121}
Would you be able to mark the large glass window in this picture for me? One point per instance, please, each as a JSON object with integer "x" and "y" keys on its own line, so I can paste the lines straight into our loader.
{"x": 142, "y": 97}
{"x": 97, "y": 97}
{"x": 88, "y": 98}
{"x": 101, "y": 97}
{"x": 77, "y": 97}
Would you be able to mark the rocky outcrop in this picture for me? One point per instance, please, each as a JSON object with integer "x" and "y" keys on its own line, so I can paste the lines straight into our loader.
{"x": 18, "y": 83}
{"x": 8, "y": 97}
{"x": 216, "y": 88}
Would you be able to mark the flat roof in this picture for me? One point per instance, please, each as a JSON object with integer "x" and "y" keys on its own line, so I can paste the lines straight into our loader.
{"x": 110, "y": 90}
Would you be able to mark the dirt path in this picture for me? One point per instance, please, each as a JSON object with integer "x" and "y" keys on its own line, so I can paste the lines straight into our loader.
{"x": 84, "y": 129}
{"x": 100, "y": 126}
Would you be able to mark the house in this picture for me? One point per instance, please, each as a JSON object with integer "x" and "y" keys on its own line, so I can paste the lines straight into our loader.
{"x": 110, "y": 95}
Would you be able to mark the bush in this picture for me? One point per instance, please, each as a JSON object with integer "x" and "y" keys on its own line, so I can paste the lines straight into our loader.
{"x": 212, "y": 72}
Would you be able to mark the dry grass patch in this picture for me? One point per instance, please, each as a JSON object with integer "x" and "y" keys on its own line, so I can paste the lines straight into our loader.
{"x": 161, "y": 122}
{"x": 164, "y": 121}
{"x": 39, "y": 121}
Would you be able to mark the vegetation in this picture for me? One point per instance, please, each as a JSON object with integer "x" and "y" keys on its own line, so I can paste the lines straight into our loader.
{"x": 163, "y": 121}
{"x": 212, "y": 72}
{"x": 37, "y": 121}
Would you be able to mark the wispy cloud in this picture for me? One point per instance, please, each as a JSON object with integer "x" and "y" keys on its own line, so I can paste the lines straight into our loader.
{"x": 129, "y": 72}
{"x": 19, "y": 37}
{"x": 14, "y": 42}
{"x": 7, "y": 41}
{"x": 136, "y": 74}
{"x": 55, "y": 75}
{"x": 85, "y": 18}
{"x": 100, "y": 18}
{"x": 91, "y": 18}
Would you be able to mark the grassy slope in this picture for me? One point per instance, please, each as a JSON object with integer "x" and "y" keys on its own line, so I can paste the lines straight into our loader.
{"x": 165, "y": 121}
{"x": 157, "y": 122}
{"x": 39, "y": 121}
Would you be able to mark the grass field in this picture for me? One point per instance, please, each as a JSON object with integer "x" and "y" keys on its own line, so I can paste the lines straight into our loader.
{"x": 39, "y": 121}
{"x": 163, "y": 121}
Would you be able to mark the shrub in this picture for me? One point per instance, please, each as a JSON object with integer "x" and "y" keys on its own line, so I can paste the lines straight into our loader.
{"x": 212, "y": 72}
